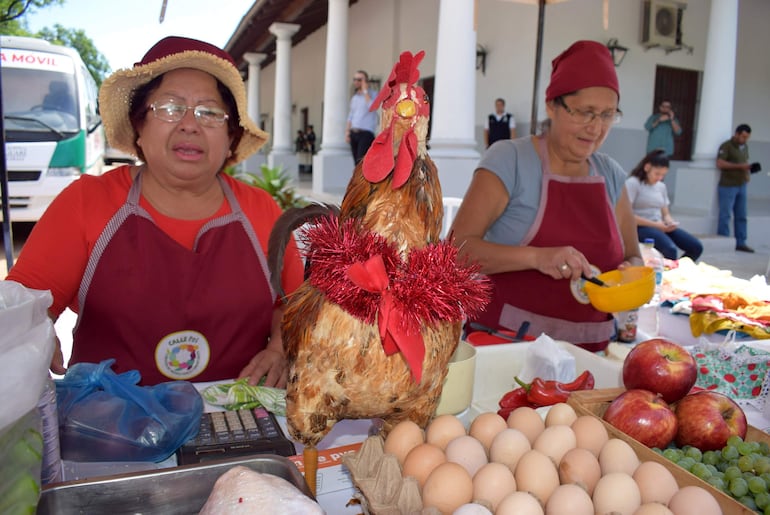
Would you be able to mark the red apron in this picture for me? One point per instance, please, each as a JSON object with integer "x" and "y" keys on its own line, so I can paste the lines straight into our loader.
{"x": 168, "y": 311}
{"x": 574, "y": 211}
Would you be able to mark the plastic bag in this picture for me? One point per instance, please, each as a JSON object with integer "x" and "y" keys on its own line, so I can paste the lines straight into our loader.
{"x": 547, "y": 360}
{"x": 27, "y": 343}
{"x": 104, "y": 416}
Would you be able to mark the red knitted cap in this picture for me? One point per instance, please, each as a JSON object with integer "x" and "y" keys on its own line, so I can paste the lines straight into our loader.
{"x": 583, "y": 65}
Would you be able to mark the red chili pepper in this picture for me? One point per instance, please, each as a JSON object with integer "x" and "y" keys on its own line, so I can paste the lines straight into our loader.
{"x": 548, "y": 392}
{"x": 512, "y": 400}
{"x": 584, "y": 381}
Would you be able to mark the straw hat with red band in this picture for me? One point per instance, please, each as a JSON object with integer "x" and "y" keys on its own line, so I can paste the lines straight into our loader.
{"x": 585, "y": 64}
{"x": 168, "y": 54}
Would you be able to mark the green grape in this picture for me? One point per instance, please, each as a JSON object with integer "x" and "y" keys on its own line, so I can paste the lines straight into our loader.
{"x": 746, "y": 463}
{"x": 730, "y": 452}
{"x": 711, "y": 457}
{"x": 673, "y": 454}
{"x": 686, "y": 463}
{"x": 757, "y": 485}
{"x": 764, "y": 448}
{"x": 738, "y": 487}
{"x": 748, "y": 501}
{"x": 745, "y": 448}
{"x": 717, "y": 482}
{"x": 734, "y": 440}
{"x": 694, "y": 453}
{"x": 701, "y": 470}
{"x": 761, "y": 463}
{"x": 722, "y": 465}
{"x": 732, "y": 472}
{"x": 762, "y": 500}
{"x": 657, "y": 450}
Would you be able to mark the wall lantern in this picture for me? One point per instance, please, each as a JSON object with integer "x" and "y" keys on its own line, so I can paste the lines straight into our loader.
{"x": 481, "y": 59}
{"x": 618, "y": 51}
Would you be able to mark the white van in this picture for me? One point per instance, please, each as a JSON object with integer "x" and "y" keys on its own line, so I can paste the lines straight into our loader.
{"x": 53, "y": 132}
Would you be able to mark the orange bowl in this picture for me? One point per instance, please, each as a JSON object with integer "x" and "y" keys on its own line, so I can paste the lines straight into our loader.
{"x": 626, "y": 289}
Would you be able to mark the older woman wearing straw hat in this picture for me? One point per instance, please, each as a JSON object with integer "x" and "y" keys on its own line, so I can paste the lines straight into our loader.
{"x": 541, "y": 211}
{"x": 164, "y": 262}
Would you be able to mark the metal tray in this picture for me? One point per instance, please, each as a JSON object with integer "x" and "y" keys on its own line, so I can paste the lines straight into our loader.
{"x": 178, "y": 490}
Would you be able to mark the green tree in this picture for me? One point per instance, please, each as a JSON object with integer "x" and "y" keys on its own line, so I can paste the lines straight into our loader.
{"x": 13, "y": 11}
{"x": 13, "y": 22}
{"x": 76, "y": 38}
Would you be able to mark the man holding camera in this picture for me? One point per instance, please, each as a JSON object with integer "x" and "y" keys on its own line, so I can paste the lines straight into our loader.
{"x": 662, "y": 127}
{"x": 733, "y": 162}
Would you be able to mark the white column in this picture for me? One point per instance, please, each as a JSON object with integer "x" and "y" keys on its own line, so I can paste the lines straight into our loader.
{"x": 715, "y": 114}
{"x": 452, "y": 142}
{"x": 282, "y": 153}
{"x": 254, "y": 59}
{"x": 695, "y": 191}
{"x": 333, "y": 165}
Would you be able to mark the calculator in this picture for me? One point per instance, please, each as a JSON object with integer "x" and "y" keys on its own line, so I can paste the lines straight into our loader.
{"x": 227, "y": 434}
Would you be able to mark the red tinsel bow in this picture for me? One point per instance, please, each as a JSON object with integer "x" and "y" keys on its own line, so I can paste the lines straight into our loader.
{"x": 371, "y": 276}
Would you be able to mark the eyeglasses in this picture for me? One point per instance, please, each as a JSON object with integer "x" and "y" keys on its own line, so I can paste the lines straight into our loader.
{"x": 585, "y": 117}
{"x": 357, "y": 79}
{"x": 171, "y": 112}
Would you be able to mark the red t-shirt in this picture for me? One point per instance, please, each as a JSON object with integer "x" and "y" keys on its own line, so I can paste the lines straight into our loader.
{"x": 55, "y": 255}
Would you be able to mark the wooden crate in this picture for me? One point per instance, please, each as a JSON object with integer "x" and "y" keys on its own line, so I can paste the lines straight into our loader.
{"x": 595, "y": 402}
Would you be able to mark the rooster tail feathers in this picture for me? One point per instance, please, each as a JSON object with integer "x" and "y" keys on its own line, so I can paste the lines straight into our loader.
{"x": 283, "y": 230}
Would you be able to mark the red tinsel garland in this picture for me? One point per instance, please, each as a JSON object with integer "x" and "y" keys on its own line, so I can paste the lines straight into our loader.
{"x": 430, "y": 286}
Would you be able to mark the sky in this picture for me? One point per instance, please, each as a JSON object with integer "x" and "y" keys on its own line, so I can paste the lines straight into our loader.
{"x": 123, "y": 30}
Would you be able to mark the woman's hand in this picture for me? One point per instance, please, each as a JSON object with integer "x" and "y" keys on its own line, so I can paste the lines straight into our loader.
{"x": 57, "y": 361}
{"x": 270, "y": 363}
{"x": 562, "y": 263}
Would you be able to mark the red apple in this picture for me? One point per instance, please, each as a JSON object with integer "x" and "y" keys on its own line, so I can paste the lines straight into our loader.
{"x": 660, "y": 366}
{"x": 707, "y": 419}
{"x": 644, "y": 416}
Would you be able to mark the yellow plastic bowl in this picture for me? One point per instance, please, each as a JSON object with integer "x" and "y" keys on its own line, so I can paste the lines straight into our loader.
{"x": 628, "y": 289}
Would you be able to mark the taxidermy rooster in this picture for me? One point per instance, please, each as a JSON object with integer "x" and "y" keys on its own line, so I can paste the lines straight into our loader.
{"x": 370, "y": 332}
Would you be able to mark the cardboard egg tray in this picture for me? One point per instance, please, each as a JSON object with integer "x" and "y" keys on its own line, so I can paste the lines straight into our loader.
{"x": 377, "y": 477}
{"x": 595, "y": 402}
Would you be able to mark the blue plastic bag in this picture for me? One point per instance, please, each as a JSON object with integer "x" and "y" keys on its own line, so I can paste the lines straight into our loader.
{"x": 104, "y": 416}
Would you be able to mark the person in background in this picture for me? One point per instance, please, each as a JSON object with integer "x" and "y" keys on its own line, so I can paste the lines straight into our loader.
{"x": 361, "y": 121}
{"x": 735, "y": 173}
{"x": 310, "y": 139}
{"x": 542, "y": 211}
{"x": 164, "y": 262}
{"x": 662, "y": 127}
{"x": 499, "y": 125}
{"x": 300, "y": 144}
{"x": 649, "y": 200}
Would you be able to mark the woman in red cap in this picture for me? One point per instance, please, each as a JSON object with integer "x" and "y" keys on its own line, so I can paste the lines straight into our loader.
{"x": 164, "y": 262}
{"x": 542, "y": 211}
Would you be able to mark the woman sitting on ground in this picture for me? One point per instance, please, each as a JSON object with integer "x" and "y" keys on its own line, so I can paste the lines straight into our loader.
{"x": 649, "y": 200}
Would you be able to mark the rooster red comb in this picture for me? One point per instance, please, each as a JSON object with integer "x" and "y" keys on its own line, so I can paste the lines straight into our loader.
{"x": 404, "y": 71}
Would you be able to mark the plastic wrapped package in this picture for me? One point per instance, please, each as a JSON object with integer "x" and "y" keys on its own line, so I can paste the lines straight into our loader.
{"x": 104, "y": 416}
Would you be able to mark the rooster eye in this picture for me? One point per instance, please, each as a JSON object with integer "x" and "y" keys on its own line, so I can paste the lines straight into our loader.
{"x": 406, "y": 108}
